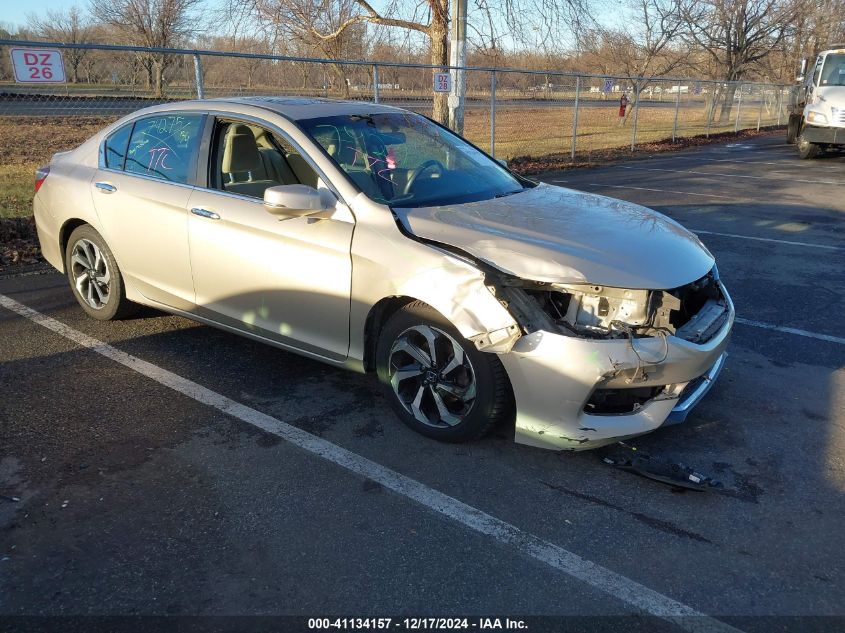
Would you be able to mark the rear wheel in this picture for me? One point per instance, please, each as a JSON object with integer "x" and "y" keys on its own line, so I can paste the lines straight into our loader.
{"x": 94, "y": 276}
{"x": 438, "y": 383}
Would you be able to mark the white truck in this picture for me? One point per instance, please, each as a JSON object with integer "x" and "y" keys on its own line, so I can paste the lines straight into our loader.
{"x": 817, "y": 105}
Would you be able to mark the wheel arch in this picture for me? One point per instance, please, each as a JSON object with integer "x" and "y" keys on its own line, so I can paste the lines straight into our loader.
{"x": 67, "y": 228}
{"x": 376, "y": 318}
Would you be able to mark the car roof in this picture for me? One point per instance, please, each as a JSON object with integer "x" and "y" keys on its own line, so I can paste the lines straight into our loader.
{"x": 300, "y": 108}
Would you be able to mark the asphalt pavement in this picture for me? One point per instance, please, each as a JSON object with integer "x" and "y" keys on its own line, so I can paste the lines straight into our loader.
{"x": 139, "y": 498}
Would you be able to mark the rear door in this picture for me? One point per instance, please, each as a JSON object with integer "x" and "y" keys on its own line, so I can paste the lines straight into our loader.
{"x": 141, "y": 190}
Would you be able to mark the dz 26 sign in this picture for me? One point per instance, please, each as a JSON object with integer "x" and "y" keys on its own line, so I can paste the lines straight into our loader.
{"x": 38, "y": 65}
{"x": 442, "y": 82}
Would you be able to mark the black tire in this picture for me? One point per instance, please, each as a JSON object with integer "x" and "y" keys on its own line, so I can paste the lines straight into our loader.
{"x": 493, "y": 399}
{"x": 111, "y": 295}
{"x": 807, "y": 150}
{"x": 792, "y": 129}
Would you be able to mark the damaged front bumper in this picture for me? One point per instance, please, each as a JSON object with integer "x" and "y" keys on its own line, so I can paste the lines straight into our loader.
{"x": 555, "y": 379}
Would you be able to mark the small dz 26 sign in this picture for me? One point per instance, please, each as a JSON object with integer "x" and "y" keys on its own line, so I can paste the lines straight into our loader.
{"x": 38, "y": 65}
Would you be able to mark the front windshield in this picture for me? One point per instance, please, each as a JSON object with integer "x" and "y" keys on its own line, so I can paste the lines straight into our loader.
{"x": 833, "y": 71}
{"x": 404, "y": 160}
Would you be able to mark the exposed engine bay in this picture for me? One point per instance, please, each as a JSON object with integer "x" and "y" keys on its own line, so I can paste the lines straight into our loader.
{"x": 694, "y": 312}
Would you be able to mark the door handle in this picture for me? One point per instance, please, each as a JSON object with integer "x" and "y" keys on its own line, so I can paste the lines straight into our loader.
{"x": 205, "y": 213}
{"x": 105, "y": 187}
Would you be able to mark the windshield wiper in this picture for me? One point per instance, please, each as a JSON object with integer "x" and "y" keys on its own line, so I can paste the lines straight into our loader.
{"x": 508, "y": 193}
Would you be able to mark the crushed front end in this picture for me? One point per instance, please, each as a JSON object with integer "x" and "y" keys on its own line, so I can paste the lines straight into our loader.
{"x": 598, "y": 364}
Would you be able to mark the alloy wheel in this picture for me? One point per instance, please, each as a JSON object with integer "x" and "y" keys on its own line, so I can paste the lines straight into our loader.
{"x": 432, "y": 377}
{"x": 90, "y": 273}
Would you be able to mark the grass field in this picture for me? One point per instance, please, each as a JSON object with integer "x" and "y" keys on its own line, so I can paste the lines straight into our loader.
{"x": 542, "y": 131}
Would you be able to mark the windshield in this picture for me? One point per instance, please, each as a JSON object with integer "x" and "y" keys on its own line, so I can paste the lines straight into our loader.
{"x": 833, "y": 71}
{"x": 403, "y": 159}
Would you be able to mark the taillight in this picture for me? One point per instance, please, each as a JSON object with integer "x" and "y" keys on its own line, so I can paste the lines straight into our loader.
{"x": 40, "y": 176}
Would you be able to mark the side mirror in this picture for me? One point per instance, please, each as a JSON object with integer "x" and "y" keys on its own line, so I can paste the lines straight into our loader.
{"x": 293, "y": 201}
{"x": 503, "y": 162}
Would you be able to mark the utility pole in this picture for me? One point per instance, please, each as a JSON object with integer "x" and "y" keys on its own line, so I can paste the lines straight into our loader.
{"x": 458, "y": 57}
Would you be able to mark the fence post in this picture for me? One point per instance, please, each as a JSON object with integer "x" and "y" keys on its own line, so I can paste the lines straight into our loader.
{"x": 677, "y": 106}
{"x": 738, "y": 109}
{"x": 779, "y": 104}
{"x": 711, "y": 107}
{"x": 375, "y": 83}
{"x": 760, "y": 113}
{"x": 198, "y": 77}
{"x": 575, "y": 117}
{"x": 636, "y": 114}
{"x": 493, "y": 114}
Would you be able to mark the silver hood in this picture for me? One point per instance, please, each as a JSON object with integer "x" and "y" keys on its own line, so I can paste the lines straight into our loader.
{"x": 553, "y": 234}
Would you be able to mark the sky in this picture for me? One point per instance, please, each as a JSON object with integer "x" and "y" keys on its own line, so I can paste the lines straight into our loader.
{"x": 14, "y": 12}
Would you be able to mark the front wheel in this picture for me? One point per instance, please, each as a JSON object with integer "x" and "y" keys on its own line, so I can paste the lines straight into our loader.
{"x": 807, "y": 150}
{"x": 94, "y": 276}
{"x": 438, "y": 383}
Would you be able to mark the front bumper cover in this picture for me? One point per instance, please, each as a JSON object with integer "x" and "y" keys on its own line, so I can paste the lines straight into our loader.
{"x": 553, "y": 377}
{"x": 824, "y": 135}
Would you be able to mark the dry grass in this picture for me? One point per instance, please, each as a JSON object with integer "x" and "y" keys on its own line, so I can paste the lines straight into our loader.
{"x": 539, "y": 132}
{"x": 26, "y": 143}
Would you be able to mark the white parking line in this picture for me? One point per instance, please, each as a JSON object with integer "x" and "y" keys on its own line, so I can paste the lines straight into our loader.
{"x": 712, "y": 175}
{"x": 722, "y": 160}
{"x": 769, "y": 239}
{"x": 684, "y": 193}
{"x": 598, "y": 577}
{"x": 791, "y": 330}
{"x": 832, "y": 168}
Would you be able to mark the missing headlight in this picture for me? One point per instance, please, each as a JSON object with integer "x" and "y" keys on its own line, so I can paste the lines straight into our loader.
{"x": 694, "y": 311}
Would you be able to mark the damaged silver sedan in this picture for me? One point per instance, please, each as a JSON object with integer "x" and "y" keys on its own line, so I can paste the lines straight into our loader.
{"x": 369, "y": 237}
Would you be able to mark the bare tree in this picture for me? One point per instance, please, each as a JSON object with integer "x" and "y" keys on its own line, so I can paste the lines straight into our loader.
{"x": 71, "y": 27}
{"x": 328, "y": 23}
{"x": 152, "y": 23}
{"x": 737, "y": 35}
{"x": 645, "y": 48}
{"x": 817, "y": 24}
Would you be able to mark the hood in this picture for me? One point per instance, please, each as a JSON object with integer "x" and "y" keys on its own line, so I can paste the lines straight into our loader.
{"x": 553, "y": 234}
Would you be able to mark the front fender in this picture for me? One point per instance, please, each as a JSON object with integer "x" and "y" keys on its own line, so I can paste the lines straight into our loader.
{"x": 458, "y": 291}
{"x": 387, "y": 263}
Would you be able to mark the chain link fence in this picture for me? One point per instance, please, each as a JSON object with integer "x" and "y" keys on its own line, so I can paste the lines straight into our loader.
{"x": 508, "y": 112}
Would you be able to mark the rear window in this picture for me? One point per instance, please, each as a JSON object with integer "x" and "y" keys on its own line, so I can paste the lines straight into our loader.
{"x": 165, "y": 146}
{"x": 115, "y": 147}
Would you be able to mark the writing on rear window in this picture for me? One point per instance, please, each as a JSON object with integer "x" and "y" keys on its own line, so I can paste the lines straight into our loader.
{"x": 164, "y": 147}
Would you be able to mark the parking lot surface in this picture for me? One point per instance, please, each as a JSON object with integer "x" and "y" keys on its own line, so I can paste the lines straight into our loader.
{"x": 140, "y": 494}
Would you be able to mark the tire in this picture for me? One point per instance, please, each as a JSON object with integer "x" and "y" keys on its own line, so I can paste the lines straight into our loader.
{"x": 94, "y": 276}
{"x": 473, "y": 389}
{"x": 792, "y": 129}
{"x": 807, "y": 150}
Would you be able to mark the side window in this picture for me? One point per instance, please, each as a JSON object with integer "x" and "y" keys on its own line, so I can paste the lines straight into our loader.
{"x": 817, "y": 72}
{"x": 115, "y": 148}
{"x": 165, "y": 146}
{"x": 250, "y": 158}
